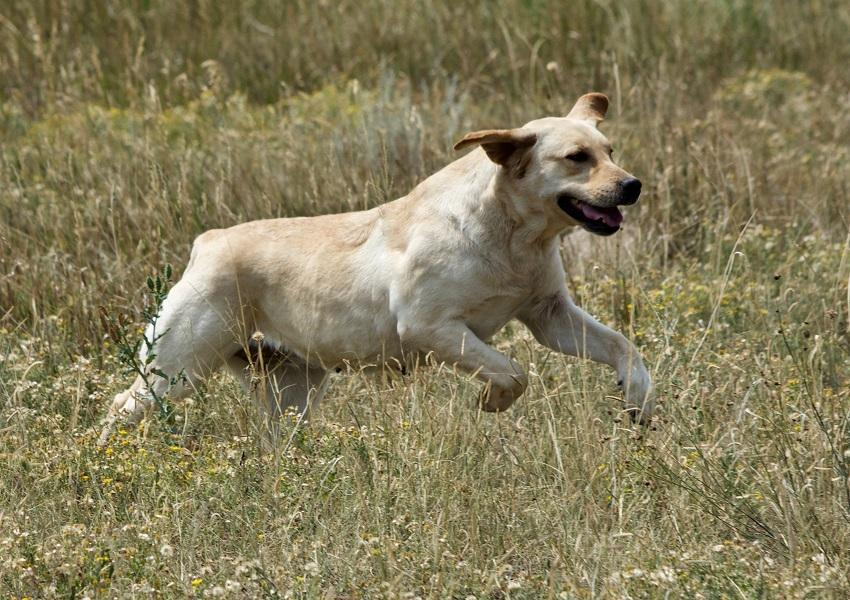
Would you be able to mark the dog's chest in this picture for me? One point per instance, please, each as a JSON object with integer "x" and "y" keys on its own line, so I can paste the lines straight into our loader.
{"x": 488, "y": 317}
{"x": 492, "y": 311}
{"x": 502, "y": 288}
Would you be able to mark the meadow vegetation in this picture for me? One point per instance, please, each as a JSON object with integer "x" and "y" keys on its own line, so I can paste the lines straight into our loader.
{"x": 127, "y": 128}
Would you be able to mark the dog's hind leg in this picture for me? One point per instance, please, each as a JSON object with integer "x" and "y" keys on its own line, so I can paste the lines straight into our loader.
{"x": 279, "y": 381}
{"x": 191, "y": 338}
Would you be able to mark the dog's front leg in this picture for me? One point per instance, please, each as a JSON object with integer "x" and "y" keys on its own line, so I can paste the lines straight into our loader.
{"x": 559, "y": 324}
{"x": 454, "y": 343}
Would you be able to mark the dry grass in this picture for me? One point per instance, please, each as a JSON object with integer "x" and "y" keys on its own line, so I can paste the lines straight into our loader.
{"x": 128, "y": 128}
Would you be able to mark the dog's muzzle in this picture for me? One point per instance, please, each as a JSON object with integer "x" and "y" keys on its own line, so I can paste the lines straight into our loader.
{"x": 601, "y": 220}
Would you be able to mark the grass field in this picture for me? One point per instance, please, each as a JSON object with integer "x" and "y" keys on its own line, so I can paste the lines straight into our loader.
{"x": 129, "y": 127}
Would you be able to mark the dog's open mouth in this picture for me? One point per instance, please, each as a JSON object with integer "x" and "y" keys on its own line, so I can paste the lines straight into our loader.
{"x": 601, "y": 220}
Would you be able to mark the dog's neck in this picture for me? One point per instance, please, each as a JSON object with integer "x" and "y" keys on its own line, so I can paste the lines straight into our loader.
{"x": 528, "y": 226}
{"x": 486, "y": 200}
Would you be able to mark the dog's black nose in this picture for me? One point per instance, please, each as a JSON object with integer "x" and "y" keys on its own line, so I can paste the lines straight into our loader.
{"x": 629, "y": 190}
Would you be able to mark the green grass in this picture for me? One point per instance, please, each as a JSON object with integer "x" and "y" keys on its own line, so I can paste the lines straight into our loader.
{"x": 130, "y": 127}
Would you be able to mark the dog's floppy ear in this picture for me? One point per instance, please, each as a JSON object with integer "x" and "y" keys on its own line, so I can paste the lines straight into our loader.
{"x": 501, "y": 145}
{"x": 590, "y": 107}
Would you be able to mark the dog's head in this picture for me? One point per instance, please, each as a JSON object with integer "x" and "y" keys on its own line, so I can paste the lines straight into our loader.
{"x": 563, "y": 168}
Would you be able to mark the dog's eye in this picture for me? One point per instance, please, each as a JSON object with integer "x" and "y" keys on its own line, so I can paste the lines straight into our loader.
{"x": 578, "y": 156}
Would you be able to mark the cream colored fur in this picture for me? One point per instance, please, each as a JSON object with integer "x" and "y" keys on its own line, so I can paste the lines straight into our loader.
{"x": 438, "y": 271}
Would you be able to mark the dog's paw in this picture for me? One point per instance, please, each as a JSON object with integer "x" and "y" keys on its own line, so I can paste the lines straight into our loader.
{"x": 129, "y": 406}
{"x": 636, "y": 384}
{"x": 499, "y": 397}
{"x": 495, "y": 399}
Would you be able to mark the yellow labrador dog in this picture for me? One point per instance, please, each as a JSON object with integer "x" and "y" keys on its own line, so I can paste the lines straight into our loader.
{"x": 437, "y": 272}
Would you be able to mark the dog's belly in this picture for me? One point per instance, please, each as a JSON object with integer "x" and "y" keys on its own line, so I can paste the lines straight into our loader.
{"x": 335, "y": 329}
{"x": 332, "y": 347}
{"x": 319, "y": 287}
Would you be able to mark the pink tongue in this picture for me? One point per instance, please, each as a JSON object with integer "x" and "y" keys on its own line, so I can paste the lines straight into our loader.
{"x": 610, "y": 216}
